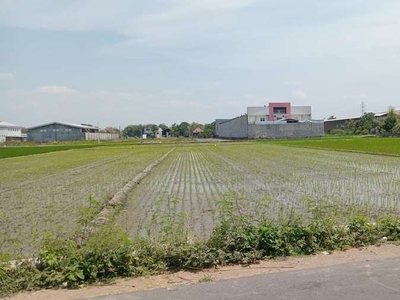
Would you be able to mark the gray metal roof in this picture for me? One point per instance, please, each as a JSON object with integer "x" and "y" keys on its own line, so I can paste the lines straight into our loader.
{"x": 6, "y": 124}
{"x": 65, "y": 124}
{"x": 381, "y": 114}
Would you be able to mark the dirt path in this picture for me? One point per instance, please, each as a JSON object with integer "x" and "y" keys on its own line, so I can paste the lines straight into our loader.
{"x": 180, "y": 278}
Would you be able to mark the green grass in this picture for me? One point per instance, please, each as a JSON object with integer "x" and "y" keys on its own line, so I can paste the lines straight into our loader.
{"x": 388, "y": 146}
{"x": 24, "y": 149}
{"x": 7, "y": 152}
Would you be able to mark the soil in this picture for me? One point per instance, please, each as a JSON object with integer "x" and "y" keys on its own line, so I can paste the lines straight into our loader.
{"x": 171, "y": 280}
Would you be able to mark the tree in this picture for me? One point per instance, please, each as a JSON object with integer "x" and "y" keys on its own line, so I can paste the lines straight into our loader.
{"x": 390, "y": 121}
{"x": 154, "y": 128}
{"x": 174, "y": 129}
{"x": 396, "y": 129}
{"x": 366, "y": 123}
{"x": 349, "y": 126}
{"x": 331, "y": 118}
{"x": 184, "y": 129}
{"x": 209, "y": 130}
{"x": 163, "y": 126}
{"x": 133, "y": 130}
{"x": 110, "y": 129}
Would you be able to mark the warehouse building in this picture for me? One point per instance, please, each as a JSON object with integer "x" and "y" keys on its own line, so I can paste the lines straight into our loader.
{"x": 277, "y": 120}
{"x": 57, "y": 131}
{"x": 338, "y": 123}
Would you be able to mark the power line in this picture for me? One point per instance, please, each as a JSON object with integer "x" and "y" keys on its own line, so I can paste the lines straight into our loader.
{"x": 362, "y": 108}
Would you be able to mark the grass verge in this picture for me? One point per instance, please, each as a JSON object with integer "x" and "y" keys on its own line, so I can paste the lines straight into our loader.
{"x": 238, "y": 239}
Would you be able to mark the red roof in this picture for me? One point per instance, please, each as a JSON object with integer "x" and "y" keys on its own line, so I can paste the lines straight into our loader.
{"x": 198, "y": 130}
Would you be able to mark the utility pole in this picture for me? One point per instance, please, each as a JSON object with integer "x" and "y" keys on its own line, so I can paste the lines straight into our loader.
{"x": 362, "y": 108}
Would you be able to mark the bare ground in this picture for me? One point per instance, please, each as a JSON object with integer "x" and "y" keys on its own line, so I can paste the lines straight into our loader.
{"x": 171, "y": 280}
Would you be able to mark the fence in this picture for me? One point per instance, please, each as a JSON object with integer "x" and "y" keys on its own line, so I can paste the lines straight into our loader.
{"x": 95, "y": 136}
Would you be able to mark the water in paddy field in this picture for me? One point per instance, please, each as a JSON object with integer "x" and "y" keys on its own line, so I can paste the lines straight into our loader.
{"x": 272, "y": 178}
{"x": 190, "y": 190}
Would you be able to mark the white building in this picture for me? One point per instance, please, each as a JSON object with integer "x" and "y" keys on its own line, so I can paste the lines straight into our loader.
{"x": 276, "y": 112}
{"x": 9, "y": 131}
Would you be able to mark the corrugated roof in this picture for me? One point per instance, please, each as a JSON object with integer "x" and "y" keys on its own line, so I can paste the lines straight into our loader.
{"x": 6, "y": 124}
{"x": 381, "y": 114}
{"x": 66, "y": 124}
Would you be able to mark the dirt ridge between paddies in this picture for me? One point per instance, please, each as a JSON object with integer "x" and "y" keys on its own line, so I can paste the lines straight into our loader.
{"x": 108, "y": 210}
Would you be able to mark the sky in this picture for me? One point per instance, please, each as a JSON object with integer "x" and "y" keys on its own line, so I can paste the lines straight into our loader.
{"x": 121, "y": 62}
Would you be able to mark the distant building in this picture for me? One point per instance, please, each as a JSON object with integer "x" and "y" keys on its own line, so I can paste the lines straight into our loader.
{"x": 197, "y": 131}
{"x": 277, "y": 111}
{"x": 10, "y": 131}
{"x": 159, "y": 133}
{"x": 147, "y": 132}
{"x": 166, "y": 132}
{"x": 277, "y": 120}
{"x": 57, "y": 131}
{"x": 338, "y": 123}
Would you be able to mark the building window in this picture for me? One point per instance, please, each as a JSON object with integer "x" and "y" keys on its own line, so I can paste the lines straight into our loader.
{"x": 68, "y": 129}
{"x": 56, "y": 130}
{"x": 262, "y": 119}
{"x": 280, "y": 110}
{"x": 43, "y": 130}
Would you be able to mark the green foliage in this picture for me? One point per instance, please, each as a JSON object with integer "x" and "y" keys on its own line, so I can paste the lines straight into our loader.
{"x": 206, "y": 278}
{"x": 109, "y": 253}
{"x": 338, "y": 131}
{"x": 133, "y": 130}
{"x": 366, "y": 123}
{"x": 390, "y": 121}
{"x": 209, "y": 131}
{"x": 88, "y": 212}
{"x": 396, "y": 129}
{"x": 182, "y": 129}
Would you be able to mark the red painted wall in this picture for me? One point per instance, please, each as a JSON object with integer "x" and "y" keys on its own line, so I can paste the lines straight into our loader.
{"x": 272, "y": 105}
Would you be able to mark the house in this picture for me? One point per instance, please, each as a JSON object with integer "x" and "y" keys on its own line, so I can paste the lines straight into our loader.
{"x": 277, "y": 111}
{"x": 277, "y": 120}
{"x": 166, "y": 132}
{"x": 10, "y": 131}
{"x": 57, "y": 131}
{"x": 147, "y": 132}
{"x": 159, "y": 133}
{"x": 197, "y": 131}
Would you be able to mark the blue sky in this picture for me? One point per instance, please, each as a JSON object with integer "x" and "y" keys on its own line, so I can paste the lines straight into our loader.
{"x": 121, "y": 62}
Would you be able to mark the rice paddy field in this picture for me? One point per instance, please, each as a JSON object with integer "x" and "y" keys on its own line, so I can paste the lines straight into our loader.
{"x": 45, "y": 192}
{"x": 374, "y": 145}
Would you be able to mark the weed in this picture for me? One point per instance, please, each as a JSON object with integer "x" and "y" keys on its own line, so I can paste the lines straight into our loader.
{"x": 206, "y": 278}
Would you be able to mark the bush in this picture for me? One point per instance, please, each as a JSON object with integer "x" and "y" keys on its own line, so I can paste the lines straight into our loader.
{"x": 338, "y": 131}
{"x": 109, "y": 253}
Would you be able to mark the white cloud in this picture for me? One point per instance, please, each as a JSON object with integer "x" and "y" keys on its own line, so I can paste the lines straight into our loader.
{"x": 180, "y": 103}
{"x": 299, "y": 94}
{"x": 293, "y": 83}
{"x": 121, "y": 16}
{"x": 177, "y": 91}
{"x": 355, "y": 97}
{"x": 55, "y": 89}
{"x": 6, "y": 76}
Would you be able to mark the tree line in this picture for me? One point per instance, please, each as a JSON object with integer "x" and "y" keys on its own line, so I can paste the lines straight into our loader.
{"x": 369, "y": 124}
{"x": 184, "y": 129}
